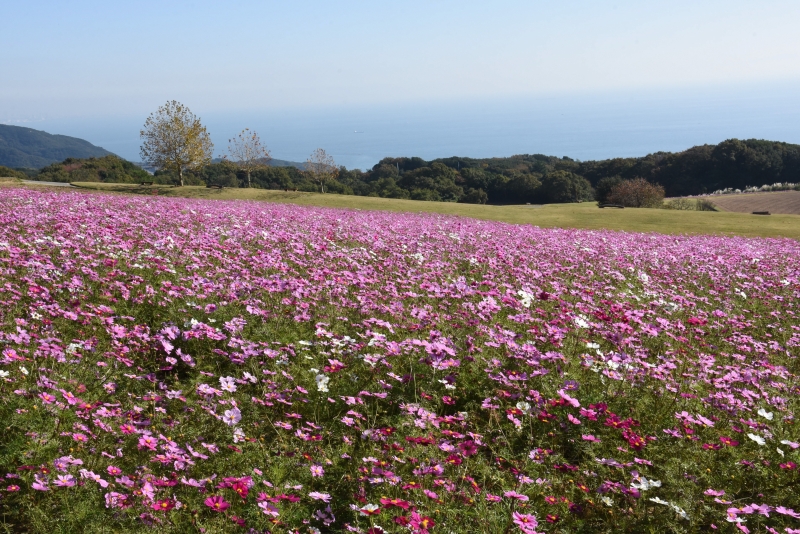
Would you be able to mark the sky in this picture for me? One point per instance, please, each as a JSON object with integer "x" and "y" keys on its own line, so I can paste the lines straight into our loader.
{"x": 67, "y": 64}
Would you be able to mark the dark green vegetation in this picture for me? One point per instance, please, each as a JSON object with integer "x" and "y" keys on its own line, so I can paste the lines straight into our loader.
{"x": 535, "y": 179}
{"x": 545, "y": 179}
{"x": 5, "y": 172}
{"x": 108, "y": 169}
{"x": 26, "y": 147}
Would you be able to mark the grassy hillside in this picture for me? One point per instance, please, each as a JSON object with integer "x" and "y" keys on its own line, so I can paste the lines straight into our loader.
{"x": 26, "y": 147}
{"x": 585, "y": 215}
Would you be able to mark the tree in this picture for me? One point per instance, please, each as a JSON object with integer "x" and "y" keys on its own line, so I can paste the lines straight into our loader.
{"x": 564, "y": 186}
{"x": 604, "y": 187}
{"x": 247, "y": 152}
{"x": 638, "y": 193}
{"x": 321, "y": 167}
{"x": 173, "y": 139}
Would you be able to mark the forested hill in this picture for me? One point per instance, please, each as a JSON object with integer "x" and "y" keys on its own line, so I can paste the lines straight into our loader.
{"x": 26, "y": 147}
{"x": 702, "y": 169}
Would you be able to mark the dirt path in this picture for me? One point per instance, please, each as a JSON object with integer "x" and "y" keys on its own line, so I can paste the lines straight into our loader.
{"x": 778, "y": 202}
{"x": 56, "y": 184}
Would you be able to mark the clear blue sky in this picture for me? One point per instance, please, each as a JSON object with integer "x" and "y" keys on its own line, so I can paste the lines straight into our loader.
{"x": 84, "y": 58}
{"x": 584, "y": 78}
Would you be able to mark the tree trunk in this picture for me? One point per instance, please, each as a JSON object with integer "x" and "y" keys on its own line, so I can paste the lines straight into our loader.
{"x": 248, "y": 178}
{"x": 180, "y": 175}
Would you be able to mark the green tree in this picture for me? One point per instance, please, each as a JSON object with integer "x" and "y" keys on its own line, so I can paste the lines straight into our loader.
{"x": 604, "y": 187}
{"x": 474, "y": 196}
{"x": 247, "y": 152}
{"x": 174, "y": 139}
{"x": 564, "y": 186}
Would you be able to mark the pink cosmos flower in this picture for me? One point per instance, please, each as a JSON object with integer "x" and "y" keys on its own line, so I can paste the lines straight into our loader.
{"x": 164, "y": 505}
{"x": 217, "y": 503}
{"x": 64, "y": 481}
{"x": 113, "y": 471}
{"x": 420, "y": 524}
{"x": 526, "y": 522}
{"x": 317, "y": 470}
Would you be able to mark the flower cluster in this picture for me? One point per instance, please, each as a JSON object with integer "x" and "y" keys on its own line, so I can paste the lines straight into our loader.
{"x": 229, "y": 365}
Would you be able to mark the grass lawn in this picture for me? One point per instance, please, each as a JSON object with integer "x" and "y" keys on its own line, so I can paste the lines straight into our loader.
{"x": 586, "y": 215}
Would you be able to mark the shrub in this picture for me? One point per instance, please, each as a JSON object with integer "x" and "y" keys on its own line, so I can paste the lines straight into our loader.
{"x": 637, "y": 193}
{"x": 689, "y": 204}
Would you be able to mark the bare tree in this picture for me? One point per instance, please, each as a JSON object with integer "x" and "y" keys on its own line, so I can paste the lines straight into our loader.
{"x": 321, "y": 167}
{"x": 247, "y": 152}
{"x": 174, "y": 139}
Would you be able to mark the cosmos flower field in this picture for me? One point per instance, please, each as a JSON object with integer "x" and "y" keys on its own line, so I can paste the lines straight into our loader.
{"x": 204, "y": 366}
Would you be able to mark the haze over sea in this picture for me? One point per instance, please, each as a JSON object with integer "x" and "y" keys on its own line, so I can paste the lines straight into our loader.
{"x": 579, "y": 126}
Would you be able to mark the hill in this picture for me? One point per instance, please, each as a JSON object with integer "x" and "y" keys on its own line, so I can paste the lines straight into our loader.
{"x": 26, "y": 147}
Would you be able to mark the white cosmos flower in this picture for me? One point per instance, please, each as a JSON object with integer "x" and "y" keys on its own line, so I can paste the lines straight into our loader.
{"x": 525, "y": 298}
{"x": 765, "y": 414}
{"x": 757, "y": 439}
{"x": 231, "y": 417}
{"x": 227, "y": 383}
{"x": 581, "y": 321}
{"x": 322, "y": 383}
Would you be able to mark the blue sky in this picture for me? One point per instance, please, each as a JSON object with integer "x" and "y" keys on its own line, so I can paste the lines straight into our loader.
{"x": 107, "y": 61}
{"x": 98, "y": 57}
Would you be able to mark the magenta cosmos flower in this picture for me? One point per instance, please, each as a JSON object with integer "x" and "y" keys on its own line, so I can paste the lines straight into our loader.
{"x": 217, "y": 503}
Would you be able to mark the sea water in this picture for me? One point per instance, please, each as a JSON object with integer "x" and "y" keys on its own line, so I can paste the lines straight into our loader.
{"x": 579, "y": 126}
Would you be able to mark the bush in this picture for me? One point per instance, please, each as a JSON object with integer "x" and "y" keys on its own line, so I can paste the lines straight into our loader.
{"x": 638, "y": 193}
{"x": 689, "y": 204}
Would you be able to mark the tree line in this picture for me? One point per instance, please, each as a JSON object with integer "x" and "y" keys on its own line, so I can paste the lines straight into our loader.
{"x": 175, "y": 141}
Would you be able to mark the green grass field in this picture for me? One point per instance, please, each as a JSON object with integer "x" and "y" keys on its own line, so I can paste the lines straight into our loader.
{"x": 586, "y": 215}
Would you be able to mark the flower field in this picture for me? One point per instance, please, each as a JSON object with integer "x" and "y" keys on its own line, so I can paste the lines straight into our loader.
{"x": 205, "y": 366}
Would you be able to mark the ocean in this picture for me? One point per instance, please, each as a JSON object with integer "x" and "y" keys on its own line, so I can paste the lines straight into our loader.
{"x": 579, "y": 126}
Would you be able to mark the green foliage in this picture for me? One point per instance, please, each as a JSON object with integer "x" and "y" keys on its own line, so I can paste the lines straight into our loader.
{"x": 108, "y": 169}
{"x": 474, "y": 196}
{"x": 5, "y": 172}
{"x": 604, "y": 187}
{"x": 689, "y": 204}
{"x": 563, "y": 186}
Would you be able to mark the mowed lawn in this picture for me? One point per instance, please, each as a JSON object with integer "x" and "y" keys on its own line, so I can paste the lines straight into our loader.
{"x": 586, "y": 215}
